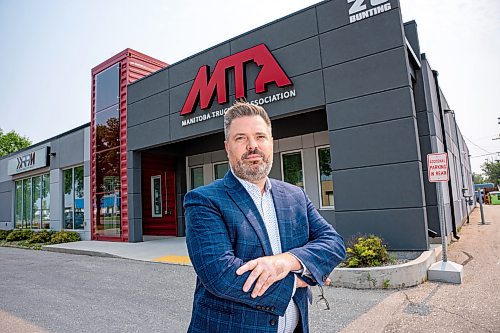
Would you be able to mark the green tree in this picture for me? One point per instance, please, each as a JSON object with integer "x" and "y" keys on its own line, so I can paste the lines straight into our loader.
{"x": 11, "y": 142}
{"x": 478, "y": 178}
{"x": 491, "y": 172}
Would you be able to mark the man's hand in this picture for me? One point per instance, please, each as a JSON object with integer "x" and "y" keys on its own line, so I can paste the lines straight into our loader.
{"x": 300, "y": 283}
{"x": 266, "y": 271}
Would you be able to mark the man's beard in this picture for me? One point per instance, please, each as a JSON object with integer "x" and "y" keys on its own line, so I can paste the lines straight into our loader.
{"x": 253, "y": 171}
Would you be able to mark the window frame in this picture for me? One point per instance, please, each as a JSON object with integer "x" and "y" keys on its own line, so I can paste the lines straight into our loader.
{"x": 321, "y": 206}
{"x": 29, "y": 224}
{"x": 72, "y": 168}
{"x": 301, "y": 163}
{"x": 218, "y": 163}
{"x": 153, "y": 214}
{"x": 190, "y": 175}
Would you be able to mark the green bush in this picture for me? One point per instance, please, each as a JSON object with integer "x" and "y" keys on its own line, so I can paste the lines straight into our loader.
{"x": 366, "y": 251}
{"x": 19, "y": 234}
{"x": 4, "y": 234}
{"x": 43, "y": 236}
{"x": 65, "y": 237}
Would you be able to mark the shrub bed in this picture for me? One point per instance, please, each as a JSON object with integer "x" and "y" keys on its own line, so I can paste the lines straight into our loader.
{"x": 366, "y": 251}
{"x": 27, "y": 239}
{"x": 19, "y": 235}
{"x": 43, "y": 236}
{"x": 65, "y": 237}
{"x": 4, "y": 234}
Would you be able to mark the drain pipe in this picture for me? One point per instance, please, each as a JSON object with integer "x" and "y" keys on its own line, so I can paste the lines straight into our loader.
{"x": 450, "y": 190}
{"x": 460, "y": 161}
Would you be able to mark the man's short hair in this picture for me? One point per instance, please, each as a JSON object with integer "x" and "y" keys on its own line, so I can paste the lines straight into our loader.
{"x": 243, "y": 109}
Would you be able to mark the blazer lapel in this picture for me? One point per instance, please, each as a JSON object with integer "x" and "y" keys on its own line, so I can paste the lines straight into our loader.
{"x": 245, "y": 203}
{"x": 282, "y": 207}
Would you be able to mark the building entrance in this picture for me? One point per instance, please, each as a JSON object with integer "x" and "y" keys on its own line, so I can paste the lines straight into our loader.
{"x": 158, "y": 196}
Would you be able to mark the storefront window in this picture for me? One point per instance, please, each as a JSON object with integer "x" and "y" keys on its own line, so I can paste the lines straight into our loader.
{"x": 106, "y": 202}
{"x": 107, "y": 129}
{"x": 73, "y": 198}
{"x": 79, "y": 215}
{"x": 292, "y": 168}
{"x": 220, "y": 170}
{"x": 325, "y": 177}
{"x": 19, "y": 203}
{"x": 108, "y": 170}
{"x": 46, "y": 202}
{"x": 26, "y": 203}
{"x": 32, "y": 197}
{"x": 196, "y": 177}
{"x": 107, "y": 212}
{"x": 37, "y": 202}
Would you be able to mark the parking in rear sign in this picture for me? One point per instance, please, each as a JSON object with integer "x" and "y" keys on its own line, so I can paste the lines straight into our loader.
{"x": 437, "y": 167}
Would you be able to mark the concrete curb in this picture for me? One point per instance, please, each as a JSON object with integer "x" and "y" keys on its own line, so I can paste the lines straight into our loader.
{"x": 49, "y": 248}
{"x": 387, "y": 277}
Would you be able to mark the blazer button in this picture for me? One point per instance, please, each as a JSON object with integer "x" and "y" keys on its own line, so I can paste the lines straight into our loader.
{"x": 272, "y": 322}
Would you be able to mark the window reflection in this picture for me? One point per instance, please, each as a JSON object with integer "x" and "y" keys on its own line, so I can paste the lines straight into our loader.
{"x": 220, "y": 170}
{"x": 26, "y": 221}
{"x": 36, "y": 202}
{"x": 107, "y": 168}
{"x": 107, "y": 213}
{"x": 79, "y": 198}
{"x": 108, "y": 171}
{"x": 19, "y": 204}
{"x": 326, "y": 178}
{"x": 292, "y": 168}
{"x": 32, "y": 205}
{"x": 46, "y": 202}
{"x": 68, "y": 199}
{"x": 196, "y": 177}
{"x": 74, "y": 198}
{"x": 107, "y": 129}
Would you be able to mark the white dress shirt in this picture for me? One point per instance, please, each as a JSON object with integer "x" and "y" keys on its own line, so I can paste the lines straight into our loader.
{"x": 265, "y": 205}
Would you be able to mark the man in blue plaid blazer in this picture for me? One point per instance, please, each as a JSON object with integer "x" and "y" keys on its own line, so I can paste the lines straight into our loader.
{"x": 256, "y": 243}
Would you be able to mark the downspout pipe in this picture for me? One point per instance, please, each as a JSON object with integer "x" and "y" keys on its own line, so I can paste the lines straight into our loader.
{"x": 450, "y": 190}
{"x": 460, "y": 161}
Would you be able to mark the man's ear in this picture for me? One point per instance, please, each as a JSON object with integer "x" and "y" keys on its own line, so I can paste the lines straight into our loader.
{"x": 225, "y": 145}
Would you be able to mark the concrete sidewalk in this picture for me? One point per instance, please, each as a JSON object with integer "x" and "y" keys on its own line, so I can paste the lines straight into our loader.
{"x": 473, "y": 306}
{"x": 172, "y": 250}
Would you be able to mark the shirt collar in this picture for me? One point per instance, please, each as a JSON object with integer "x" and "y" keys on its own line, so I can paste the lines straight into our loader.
{"x": 251, "y": 186}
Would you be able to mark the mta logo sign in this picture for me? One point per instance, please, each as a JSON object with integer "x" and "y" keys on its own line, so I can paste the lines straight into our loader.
{"x": 205, "y": 88}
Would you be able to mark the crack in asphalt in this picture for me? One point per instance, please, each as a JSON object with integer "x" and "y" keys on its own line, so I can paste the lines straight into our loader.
{"x": 467, "y": 320}
{"x": 424, "y": 309}
{"x": 421, "y": 308}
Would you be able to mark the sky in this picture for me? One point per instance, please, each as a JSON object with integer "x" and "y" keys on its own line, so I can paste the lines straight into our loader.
{"x": 48, "y": 48}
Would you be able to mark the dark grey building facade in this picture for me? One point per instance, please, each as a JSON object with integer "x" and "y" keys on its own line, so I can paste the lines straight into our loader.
{"x": 355, "y": 108}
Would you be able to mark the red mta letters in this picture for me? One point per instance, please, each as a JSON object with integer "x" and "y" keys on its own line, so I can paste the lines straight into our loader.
{"x": 203, "y": 88}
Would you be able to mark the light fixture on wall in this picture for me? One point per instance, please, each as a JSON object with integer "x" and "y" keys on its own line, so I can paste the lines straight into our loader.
{"x": 53, "y": 154}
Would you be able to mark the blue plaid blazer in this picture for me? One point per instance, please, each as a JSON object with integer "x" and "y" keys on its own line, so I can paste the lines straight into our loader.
{"x": 224, "y": 230}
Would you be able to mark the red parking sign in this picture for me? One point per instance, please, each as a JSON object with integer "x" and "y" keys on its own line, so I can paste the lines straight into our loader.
{"x": 437, "y": 167}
